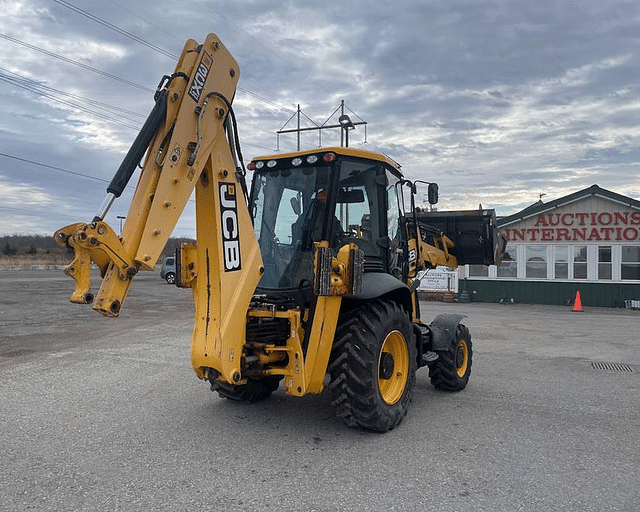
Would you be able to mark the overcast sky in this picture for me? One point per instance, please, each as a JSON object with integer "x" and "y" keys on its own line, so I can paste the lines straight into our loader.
{"x": 497, "y": 101}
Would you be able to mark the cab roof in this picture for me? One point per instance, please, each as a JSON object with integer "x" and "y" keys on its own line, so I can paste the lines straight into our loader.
{"x": 340, "y": 151}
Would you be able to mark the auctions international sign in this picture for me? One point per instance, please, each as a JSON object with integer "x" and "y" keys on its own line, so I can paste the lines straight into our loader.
{"x": 582, "y": 226}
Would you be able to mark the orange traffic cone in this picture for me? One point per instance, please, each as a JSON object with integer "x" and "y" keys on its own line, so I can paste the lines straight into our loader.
{"x": 577, "y": 304}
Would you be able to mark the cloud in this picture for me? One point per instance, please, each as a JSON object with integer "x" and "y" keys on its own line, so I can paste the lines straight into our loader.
{"x": 22, "y": 194}
{"x": 497, "y": 101}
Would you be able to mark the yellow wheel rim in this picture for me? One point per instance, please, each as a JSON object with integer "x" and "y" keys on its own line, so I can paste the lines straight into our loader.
{"x": 393, "y": 367}
{"x": 462, "y": 358}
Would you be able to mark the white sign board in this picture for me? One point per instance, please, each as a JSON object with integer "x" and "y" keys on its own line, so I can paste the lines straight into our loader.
{"x": 440, "y": 279}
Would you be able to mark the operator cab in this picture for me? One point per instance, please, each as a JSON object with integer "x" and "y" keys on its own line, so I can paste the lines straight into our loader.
{"x": 340, "y": 195}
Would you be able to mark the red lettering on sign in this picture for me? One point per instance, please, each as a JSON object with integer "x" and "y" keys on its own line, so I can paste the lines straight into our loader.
{"x": 607, "y": 232}
{"x": 564, "y": 219}
{"x": 579, "y": 233}
{"x": 518, "y": 233}
{"x": 594, "y": 235}
{"x": 582, "y": 216}
{"x": 601, "y": 223}
{"x": 630, "y": 234}
{"x": 621, "y": 218}
{"x": 605, "y": 218}
{"x": 541, "y": 221}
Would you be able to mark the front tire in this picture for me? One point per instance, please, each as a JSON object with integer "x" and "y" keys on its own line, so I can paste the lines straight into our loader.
{"x": 452, "y": 369}
{"x": 170, "y": 278}
{"x": 373, "y": 366}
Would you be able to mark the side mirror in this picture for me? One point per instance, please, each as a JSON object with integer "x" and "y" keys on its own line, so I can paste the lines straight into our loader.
{"x": 432, "y": 193}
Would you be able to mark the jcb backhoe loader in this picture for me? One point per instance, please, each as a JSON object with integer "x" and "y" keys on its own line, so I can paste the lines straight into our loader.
{"x": 309, "y": 278}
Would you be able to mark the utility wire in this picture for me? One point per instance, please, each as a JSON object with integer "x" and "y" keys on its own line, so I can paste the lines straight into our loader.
{"x": 31, "y": 213}
{"x": 264, "y": 100}
{"x": 113, "y": 27}
{"x": 75, "y": 63}
{"x": 240, "y": 29}
{"x": 153, "y": 46}
{"x": 54, "y": 167}
{"x": 60, "y": 169}
{"x": 120, "y": 79}
{"x": 44, "y": 94}
{"x": 38, "y": 86}
{"x": 124, "y": 8}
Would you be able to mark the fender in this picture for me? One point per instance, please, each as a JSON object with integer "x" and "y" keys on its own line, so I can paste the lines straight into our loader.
{"x": 443, "y": 330}
{"x": 377, "y": 285}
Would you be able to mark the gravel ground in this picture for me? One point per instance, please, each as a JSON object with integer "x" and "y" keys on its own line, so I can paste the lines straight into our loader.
{"x": 105, "y": 414}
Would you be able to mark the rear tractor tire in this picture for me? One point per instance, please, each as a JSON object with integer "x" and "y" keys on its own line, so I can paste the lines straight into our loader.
{"x": 373, "y": 366}
{"x": 452, "y": 369}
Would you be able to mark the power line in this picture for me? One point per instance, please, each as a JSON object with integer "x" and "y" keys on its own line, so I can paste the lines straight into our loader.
{"x": 45, "y": 94}
{"x": 152, "y": 46}
{"x": 53, "y": 167}
{"x": 239, "y": 28}
{"x": 264, "y": 100}
{"x": 75, "y": 63}
{"x": 38, "y": 86}
{"x": 48, "y": 214}
{"x": 118, "y": 78}
{"x": 115, "y": 77}
{"x": 115, "y": 28}
{"x": 106, "y": 106}
{"x": 31, "y": 213}
{"x": 180, "y": 41}
{"x": 61, "y": 169}
{"x": 270, "y": 50}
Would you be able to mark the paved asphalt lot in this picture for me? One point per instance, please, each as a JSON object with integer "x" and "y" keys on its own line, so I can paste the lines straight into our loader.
{"x": 105, "y": 414}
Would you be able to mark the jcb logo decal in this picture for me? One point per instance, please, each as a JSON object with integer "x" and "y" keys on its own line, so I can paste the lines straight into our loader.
{"x": 229, "y": 222}
{"x": 195, "y": 90}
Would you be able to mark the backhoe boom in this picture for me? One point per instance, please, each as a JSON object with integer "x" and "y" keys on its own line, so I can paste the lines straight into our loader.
{"x": 187, "y": 144}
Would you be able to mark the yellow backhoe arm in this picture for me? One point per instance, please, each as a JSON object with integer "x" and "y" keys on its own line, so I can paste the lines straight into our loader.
{"x": 189, "y": 144}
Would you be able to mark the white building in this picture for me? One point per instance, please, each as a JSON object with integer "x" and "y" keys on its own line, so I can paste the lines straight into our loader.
{"x": 587, "y": 241}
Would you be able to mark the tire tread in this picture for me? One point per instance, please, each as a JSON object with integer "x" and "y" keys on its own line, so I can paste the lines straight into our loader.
{"x": 354, "y": 362}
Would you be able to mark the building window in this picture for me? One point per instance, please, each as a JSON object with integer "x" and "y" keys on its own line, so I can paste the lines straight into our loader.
{"x": 561, "y": 261}
{"x": 604, "y": 262}
{"x": 509, "y": 265}
{"x": 536, "y": 261}
{"x": 579, "y": 261}
{"x": 478, "y": 271}
{"x": 630, "y": 262}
